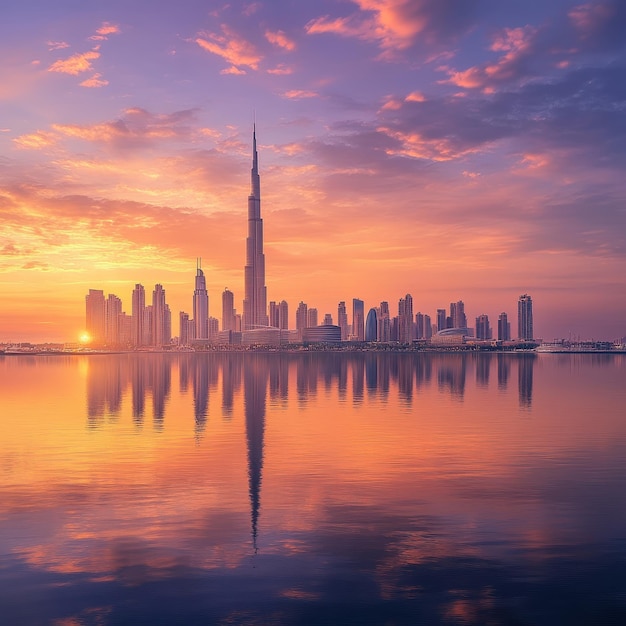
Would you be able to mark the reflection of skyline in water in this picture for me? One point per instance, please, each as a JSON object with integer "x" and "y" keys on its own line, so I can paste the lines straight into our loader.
{"x": 377, "y": 375}
{"x": 378, "y": 488}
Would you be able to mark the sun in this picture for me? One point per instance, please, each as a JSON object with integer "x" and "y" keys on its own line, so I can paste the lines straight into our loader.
{"x": 85, "y": 337}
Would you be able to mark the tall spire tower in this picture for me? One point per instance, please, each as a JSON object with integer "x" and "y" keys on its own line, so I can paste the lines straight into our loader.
{"x": 255, "y": 302}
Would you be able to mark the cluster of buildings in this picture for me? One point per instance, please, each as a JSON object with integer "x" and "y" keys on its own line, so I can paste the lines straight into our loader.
{"x": 150, "y": 323}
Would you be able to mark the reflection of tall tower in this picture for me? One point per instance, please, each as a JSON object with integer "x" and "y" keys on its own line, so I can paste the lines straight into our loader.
{"x": 525, "y": 367}
{"x": 201, "y": 305}
{"x": 255, "y": 302}
{"x": 255, "y": 385}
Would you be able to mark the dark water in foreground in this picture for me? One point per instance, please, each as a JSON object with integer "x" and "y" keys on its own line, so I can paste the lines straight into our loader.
{"x": 313, "y": 489}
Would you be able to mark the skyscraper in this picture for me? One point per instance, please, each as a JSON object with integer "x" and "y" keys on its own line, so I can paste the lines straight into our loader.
{"x": 311, "y": 318}
{"x": 405, "y": 319}
{"x": 255, "y": 302}
{"x": 283, "y": 315}
{"x": 301, "y": 319}
{"x": 371, "y": 326}
{"x": 95, "y": 320}
{"x": 113, "y": 311}
{"x": 228, "y": 310}
{"x": 342, "y": 320}
{"x": 504, "y": 327}
{"x": 525, "y": 317}
{"x": 483, "y": 330}
{"x": 358, "y": 319}
{"x": 201, "y": 305}
{"x": 139, "y": 304}
{"x": 158, "y": 316}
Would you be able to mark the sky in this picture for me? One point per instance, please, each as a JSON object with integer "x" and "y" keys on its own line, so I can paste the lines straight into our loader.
{"x": 467, "y": 150}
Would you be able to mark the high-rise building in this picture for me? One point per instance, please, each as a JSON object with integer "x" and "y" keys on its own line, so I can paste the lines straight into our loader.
{"x": 139, "y": 304}
{"x": 342, "y": 320}
{"x": 201, "y": 305}
{"x": 358, "y": 319}
{"x": 301, "y": 319}
{"x": 504, "y": 327}
{"x": 525, "y": 317}
{"x": 147, "y": 326}
{"x": 419, "y": 325}
{"x": 371, "y": 326}
{"x": 457, "y": 314}
{"x": 214, "y": 327}
{"x": 255, "y": 302}
{"x": 428, "y": 327}
{"x": 228, "y": 310}
{"x": 384, "y": 322}
{"x": 158, "y": 316}
{"x": 483, "y": 331}
{"x": 441, "y": 319}
{"x": 312, "y": 318}
{"x": 95, "y": 315}
{"x": 283, "y": 315}
{"x": 113, "y": 310}
{"x": 183, "y": 334}
{"x": 328, "y": 319}
{"x": 405, "y": 319}
{"x": 274, "y": 314}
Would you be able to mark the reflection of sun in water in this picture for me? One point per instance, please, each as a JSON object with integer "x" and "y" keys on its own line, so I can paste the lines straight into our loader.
{"x": 85, "y": 337}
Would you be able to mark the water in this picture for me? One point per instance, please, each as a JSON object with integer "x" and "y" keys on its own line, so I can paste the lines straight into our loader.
{"x": 313, "y": 489}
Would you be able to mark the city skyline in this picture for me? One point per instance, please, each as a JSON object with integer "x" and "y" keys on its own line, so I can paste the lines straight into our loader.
{"x": 408, "y": 148}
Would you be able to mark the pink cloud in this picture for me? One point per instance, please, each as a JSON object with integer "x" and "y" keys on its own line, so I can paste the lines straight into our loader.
{"x": 76, "y": 64}
{"x": 35, "y": 141}
{"x": 280, "y": 39}
{"x": 57, "y": 45}
{"x": 587, "y": 17}
{"x": 95, "y": 81}
{"x": 514, "y": 43}
{"x": 105, "y": 30}
{"x": 235, "y": 71}
{"x": 231, "y": 47}
{"x": 415, "y": 96}
{"x": 298, "y": 94}
{"x": 281, "y": 70}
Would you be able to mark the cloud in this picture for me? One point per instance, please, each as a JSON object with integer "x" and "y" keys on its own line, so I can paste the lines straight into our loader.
{"x": 76, "y": 64}
{"x": 235, "y": 71}
{"x": 281, "y": 70}
{"x": 35, "y": 141}
{"x": 396, "y": 25}
{"x": 280, "y": 39}
{"x": 105, "y": 30}
{"x": 57, "y": 45}
{"x": 298, "y": 94}
{"x": 95, "y": 81}
{"x": 231, "y": 47}
{"x": 135, "y": 128}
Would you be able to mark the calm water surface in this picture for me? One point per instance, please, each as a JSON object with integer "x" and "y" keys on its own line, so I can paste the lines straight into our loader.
{"x": 313, "y": 489}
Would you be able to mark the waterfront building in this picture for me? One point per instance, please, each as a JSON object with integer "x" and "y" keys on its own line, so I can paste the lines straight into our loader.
{"x": 183, "y": 333}
{"x": 428, "y": 327}
{"x": 301, "y": 319}
{"x": 283, "y": 315}
{"x": 158, "y": 316}
{"x": 358, "y": 319}
{"x": 328, "y": 319}
{"x": 138, "y": 306}
{"x": 419, "y": 326}
{"x": 125, "y": 329}
{"x": 384, "y": 322}
{"x": 342, "y": 320}
{"x": 457, "y": 314}
{"x": 113, "y": 310}
{"x": 504, "y": 327}
{"x": 255, "y": 301}
{"x": 371, "y": 326}
{"x": 483, "y": 331}
{"x": 441, "y": 319}
{"x": 327, "y": 333}
{"x": 405, "y": 319}
{"x": 525, "y": 317}
{"x": 95, "y": 316}
{"x": 147, "y": 326}
{"x": 228, "y": 310}
{"x": 311, "y": 318}
{"x": 201, "y": 305}
{"x": 274, "y": 315}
